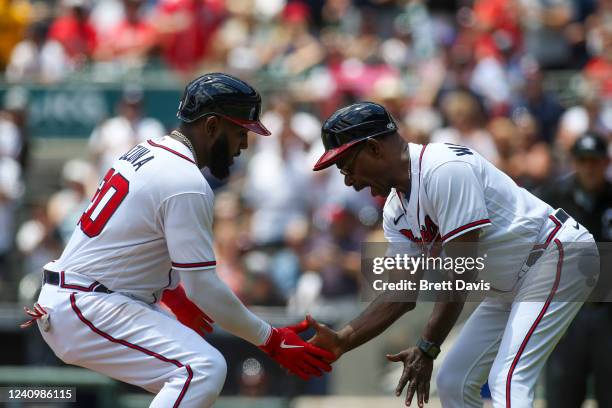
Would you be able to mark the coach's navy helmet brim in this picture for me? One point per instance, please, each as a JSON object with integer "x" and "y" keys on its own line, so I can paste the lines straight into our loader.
{"x": 331, "y": 156}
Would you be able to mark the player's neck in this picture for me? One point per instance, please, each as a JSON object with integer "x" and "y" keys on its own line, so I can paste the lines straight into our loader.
{"x": 194, "y": 143}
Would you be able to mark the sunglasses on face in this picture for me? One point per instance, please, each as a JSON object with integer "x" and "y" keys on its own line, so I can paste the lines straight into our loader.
{"x": 347, "y": 168}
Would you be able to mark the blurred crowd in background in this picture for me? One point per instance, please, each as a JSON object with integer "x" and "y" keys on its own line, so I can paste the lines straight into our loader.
{"x": 467, "y": 72}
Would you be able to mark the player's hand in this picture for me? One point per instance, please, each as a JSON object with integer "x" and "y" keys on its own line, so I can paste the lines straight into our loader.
{"x": 417, "y": 371}
{"x": 290, "y": 351}
{"x": 326, "y": 338}
{"x": 186, "y": 311}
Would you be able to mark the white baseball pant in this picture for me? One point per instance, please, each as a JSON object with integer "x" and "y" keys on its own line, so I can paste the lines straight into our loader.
{"x": 133, "y": 342}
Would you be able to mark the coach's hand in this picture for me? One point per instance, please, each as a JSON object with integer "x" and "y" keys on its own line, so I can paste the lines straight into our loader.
{"x": 326, "y": 338}
{"x": 417, "y": 371}
{"x": 299, "y": 357}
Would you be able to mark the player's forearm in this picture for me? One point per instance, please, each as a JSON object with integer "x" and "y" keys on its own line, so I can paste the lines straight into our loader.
{"x": 211, "y": 294}
{"x": 377, "y": 317}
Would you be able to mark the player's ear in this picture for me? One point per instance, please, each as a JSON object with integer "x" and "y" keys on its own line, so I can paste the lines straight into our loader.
{"x": 210, "y": 125}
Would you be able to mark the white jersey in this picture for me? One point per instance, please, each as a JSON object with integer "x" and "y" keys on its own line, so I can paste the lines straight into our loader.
{"x": 455, "y": 190}
{"x": 153, "y": 212}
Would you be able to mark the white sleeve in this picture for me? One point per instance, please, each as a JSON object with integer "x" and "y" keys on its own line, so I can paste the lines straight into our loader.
{"x": 187, "y": 221}
{"x": 213, "y": 296}
{"x": 458, "y": 200}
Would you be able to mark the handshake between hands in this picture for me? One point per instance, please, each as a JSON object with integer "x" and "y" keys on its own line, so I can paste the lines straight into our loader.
{"x": 311, "y": 358}
{"x": 285, "y": 346}
{"x": 307, "y": 359}
{"x": 304, "y": 359}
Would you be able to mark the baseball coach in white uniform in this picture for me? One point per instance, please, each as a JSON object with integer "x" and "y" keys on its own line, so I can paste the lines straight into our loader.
{"x": 440, "y": 193}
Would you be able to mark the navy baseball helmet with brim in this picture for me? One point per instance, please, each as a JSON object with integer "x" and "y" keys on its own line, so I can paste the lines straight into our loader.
{"x": 222, "y": 95}
{"x": 351, "y": 125}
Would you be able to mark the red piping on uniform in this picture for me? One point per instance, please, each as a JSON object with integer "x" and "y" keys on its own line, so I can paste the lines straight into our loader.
{"x": 152, "y": 143}
{"x": 551, "y": 235}
{"x": 76, "y": 287}
{"x": 535, "y": 324}
{"x": 194, "y": 265}
{"x": 466, "y": 226}
{"x": 135, "y": 347}
{"x": 419, "y": 198}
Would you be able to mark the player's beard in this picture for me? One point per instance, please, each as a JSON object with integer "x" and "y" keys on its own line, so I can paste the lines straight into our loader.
{"x": 220, "y": 158}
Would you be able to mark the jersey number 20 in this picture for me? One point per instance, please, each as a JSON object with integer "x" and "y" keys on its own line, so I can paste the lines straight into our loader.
{"x": 111, "y": 192}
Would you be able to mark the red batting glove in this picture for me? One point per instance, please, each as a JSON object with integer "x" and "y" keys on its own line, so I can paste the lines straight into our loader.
{"x": 299, "y": 357}
{"x": 186, "y": 311}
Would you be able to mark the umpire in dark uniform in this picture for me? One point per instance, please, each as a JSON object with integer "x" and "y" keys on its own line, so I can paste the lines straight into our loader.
{"x": 586, "y": 348}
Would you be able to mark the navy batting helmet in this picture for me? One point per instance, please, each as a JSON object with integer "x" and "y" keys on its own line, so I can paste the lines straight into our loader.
{"x": 351, "y": 125}
{"x": 225, "y": 96}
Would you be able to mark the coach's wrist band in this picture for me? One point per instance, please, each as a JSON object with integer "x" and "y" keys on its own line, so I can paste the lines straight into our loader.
{"x": 428, "y": 348}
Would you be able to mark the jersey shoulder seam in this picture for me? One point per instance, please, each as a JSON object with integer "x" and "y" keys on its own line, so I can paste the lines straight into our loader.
{"x": 176, "y": 195}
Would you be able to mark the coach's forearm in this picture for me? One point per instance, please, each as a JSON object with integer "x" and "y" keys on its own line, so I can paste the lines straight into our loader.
{"x": 375, "y": 319}
{"x": 212, "y": 295}
{"x": 446, "y": 313}
{"x": 441, "y": 321}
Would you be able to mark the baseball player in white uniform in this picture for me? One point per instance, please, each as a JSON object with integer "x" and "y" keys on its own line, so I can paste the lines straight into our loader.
{"x": 148, "y": 227}
{"x": 441, "y": 193}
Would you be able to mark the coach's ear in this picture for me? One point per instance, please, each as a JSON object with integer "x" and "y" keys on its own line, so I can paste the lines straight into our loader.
{"x": 374, "y": 147}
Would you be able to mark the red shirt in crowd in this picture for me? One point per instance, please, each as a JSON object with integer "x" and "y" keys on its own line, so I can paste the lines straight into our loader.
{"x": 78, "y": 37}
{"x": 186, "y": 28}
{"x": 600, "y": 70}
{"x": 131, "y": 37}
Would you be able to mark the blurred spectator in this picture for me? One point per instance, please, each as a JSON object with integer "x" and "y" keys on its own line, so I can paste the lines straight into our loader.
{"x": 105, "y": 15}
{"x": 465, "y": 125}
{"x": 15, "y": 15}
{"x": 74, "y": 32}
{"x": 544, "y": 106}
{"x": 544, "y": 23}
{"x": 496, "y": 24}
{"x": 295, "y": 49}
{"x": 228, "y": 252}
{"x": 14, "y": 140}
{"x": 37, "y": 240}
{"x": 119, "y": 134}
{"x": 593, "y": 113}
{"x": 240, "y": 40}
{"x": 599, "y": 68}
{"x": 36, "y": 58}
{"x": 421, "y": 122}
{"x": 335, "y": 254}
{"x": 521, "y": 156}
{"x": 186, "y": 28}
{"x": 131, "y": 40}
{"x": 66, "y": 206}
{"x": 278, "y": 176}
{"x": 341, "y": 16}
{"x": 10, "y": 139}
{"x": 585, "y": 351}
{"x": 534, "y": 160}
{"x": 11, "y": 190}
